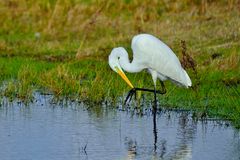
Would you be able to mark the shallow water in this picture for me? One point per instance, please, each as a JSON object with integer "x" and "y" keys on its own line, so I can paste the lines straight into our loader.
{"x": 69, "y": 131}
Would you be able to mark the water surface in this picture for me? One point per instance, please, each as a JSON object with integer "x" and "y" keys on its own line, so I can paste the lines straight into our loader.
{"x": 44, "y": 130}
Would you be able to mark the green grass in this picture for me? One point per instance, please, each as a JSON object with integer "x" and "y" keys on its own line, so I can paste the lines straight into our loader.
{"x": 62, "y": 47}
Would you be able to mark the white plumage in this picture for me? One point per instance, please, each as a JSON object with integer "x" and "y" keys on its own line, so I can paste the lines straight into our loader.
{"x": 150, "y": 53}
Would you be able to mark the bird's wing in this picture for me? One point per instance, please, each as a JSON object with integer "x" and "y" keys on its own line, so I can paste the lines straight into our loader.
{"x": 157, "y": 56}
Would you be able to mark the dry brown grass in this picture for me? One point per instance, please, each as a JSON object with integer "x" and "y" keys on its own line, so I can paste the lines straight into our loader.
{"x": 97, "y": 26}
{"x": 232, "y": 62}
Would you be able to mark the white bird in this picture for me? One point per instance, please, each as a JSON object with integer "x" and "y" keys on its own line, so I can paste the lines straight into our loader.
{"x": 152, "y": 54}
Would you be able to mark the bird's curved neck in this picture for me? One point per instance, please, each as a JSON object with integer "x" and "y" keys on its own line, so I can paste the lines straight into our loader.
{"x": 126, "y": 64}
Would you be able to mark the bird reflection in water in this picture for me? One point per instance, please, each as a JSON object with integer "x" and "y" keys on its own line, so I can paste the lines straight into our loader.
{"x": 131, "y": 147}
{"x": 182, "y": 151}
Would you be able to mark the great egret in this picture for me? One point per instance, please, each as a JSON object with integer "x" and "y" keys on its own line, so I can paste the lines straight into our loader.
{"x": 152, "y": 54}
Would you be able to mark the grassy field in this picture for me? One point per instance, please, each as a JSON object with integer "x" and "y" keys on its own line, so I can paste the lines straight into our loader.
{"x": 62, "y": 47}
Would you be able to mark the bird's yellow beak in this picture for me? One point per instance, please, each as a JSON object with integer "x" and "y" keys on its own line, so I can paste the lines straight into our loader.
{"x": 124, "y": 77}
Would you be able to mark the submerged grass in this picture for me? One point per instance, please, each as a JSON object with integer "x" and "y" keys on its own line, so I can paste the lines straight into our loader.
{"x": 61, "y": 47}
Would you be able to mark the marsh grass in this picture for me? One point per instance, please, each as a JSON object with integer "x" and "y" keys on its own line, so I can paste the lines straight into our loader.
{"x": 61, "y": 47}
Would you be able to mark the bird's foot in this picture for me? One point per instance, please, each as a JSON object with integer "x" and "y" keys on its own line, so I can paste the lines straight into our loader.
{"x": 129, "y": 96}
{"x": 134, "y": 90}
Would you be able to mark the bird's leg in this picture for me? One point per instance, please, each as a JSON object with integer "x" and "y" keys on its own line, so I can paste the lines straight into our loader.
{"x": 154, "y": 112}
{"x": 155, "y": 101}
{"x": 134, "y": 90}
{"x": 162, "y": 91}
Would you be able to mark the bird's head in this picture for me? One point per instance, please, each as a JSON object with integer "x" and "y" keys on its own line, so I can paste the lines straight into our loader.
{"x": 113, "y": 61}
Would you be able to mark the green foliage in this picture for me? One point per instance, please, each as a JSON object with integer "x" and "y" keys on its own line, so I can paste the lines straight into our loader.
{"x": 62, "y": 47}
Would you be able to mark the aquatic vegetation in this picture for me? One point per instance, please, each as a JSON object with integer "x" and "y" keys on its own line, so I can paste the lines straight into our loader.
{"x": 61, "y": 47}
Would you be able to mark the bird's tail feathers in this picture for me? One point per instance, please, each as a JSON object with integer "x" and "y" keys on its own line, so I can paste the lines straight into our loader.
{"x": 188, "y": 80}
